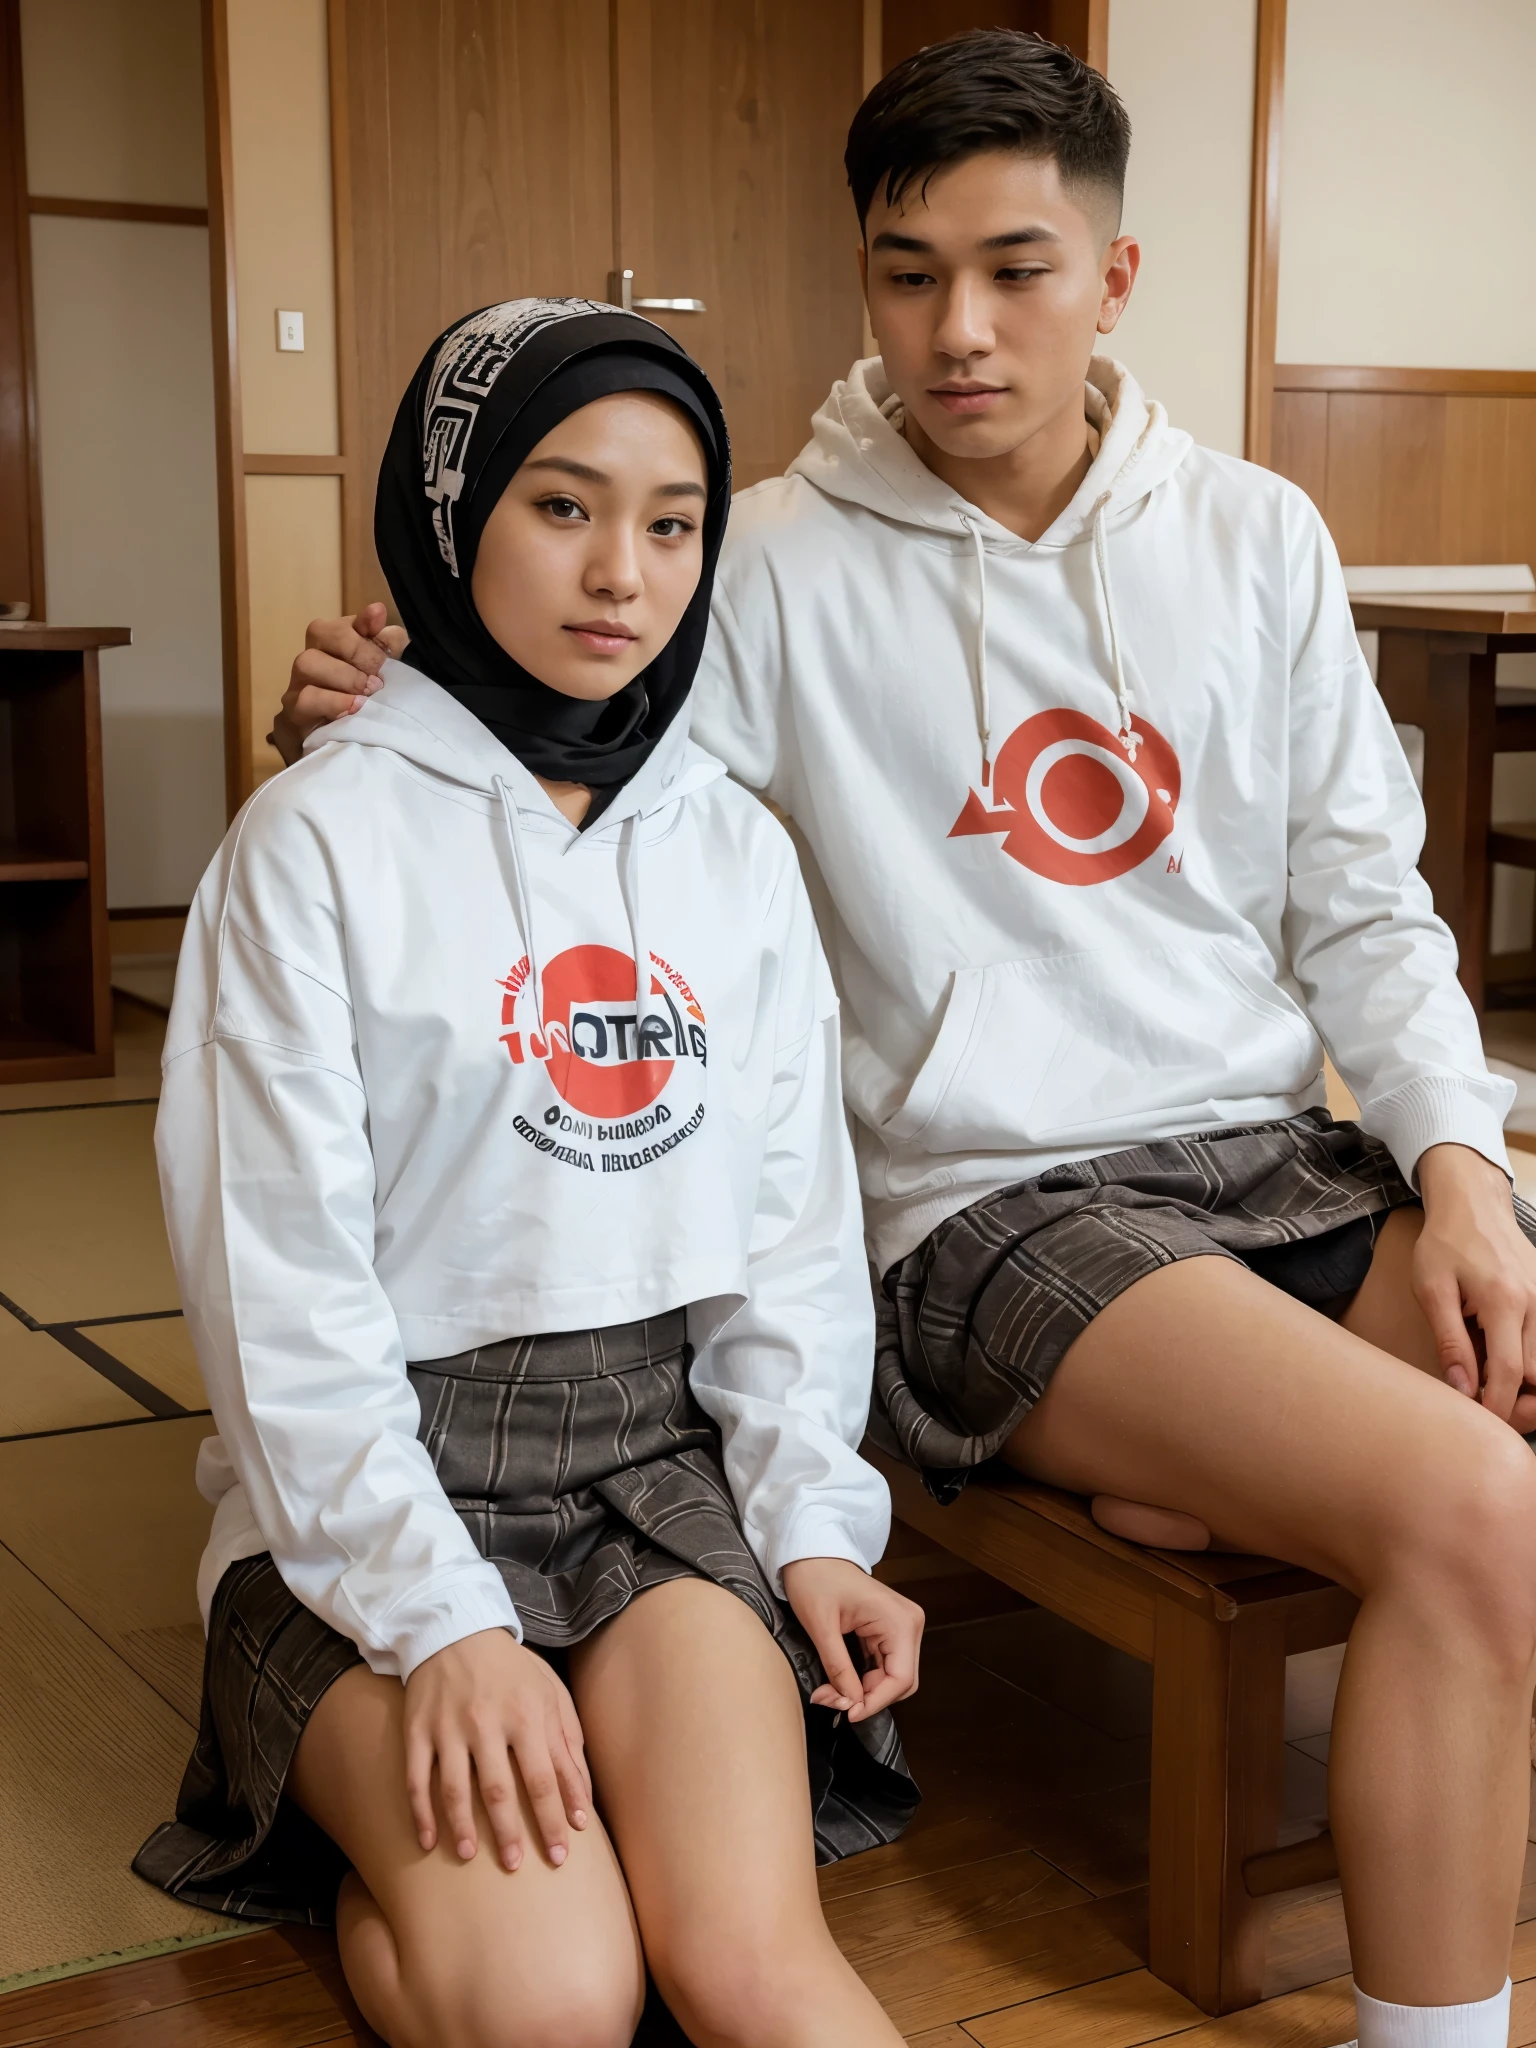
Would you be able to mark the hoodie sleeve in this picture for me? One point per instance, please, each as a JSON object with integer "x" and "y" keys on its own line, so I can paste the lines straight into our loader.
{"x": 788, "y": 1378}
{"x": 268, "y": 1182}
{"x": 1376, "y": 965}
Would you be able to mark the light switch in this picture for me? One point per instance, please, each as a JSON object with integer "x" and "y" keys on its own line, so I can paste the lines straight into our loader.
{"x": 290, "y": 331}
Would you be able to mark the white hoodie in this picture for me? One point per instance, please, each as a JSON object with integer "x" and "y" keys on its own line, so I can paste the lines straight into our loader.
{"x": 405, "y": 1113}
{"x": 1067, "y": 950}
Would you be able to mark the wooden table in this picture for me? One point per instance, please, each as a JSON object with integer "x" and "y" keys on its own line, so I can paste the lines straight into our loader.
{"x": 1436, "y": 670}
{"x": 55, "y": 992}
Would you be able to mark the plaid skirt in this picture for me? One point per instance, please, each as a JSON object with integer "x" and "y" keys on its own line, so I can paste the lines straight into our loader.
{"x": 587, "y": 1472}
{"x": 975, "y": 1321}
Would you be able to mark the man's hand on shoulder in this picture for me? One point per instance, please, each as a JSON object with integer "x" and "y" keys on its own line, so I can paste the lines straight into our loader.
{"x": 1473, "y": 1263}
{"x": 335, "y": 675}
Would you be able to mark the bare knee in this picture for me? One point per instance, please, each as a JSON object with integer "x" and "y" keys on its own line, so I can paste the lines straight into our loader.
{"x": 756, "y": 1986}
{"x": 594, "y": 2005}
{"x": 1472, "y": 1551}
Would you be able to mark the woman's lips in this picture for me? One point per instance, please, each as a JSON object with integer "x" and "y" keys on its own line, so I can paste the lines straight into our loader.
{"x": 967, "y": 401}
{"x": 602, "y": 638}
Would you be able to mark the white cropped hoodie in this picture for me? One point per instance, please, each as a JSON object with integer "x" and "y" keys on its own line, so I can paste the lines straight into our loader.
{"x": 1109, "y": 834}
{"x": 410, "y": 1106}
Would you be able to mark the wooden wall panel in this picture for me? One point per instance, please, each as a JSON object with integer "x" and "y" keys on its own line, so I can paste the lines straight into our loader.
{"x": 732, "y": 119}
{"x": 1081, "y": 25}
{"x": 1299, "y": 438}
{"x": 1386, "y": 460}
{"x": 481, "y": 169}
{"x": 21, "y": 517}
{"x": 1415, "y": 466}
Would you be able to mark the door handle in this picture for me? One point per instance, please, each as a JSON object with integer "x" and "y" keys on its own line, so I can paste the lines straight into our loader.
{"x": 621, "y": 288}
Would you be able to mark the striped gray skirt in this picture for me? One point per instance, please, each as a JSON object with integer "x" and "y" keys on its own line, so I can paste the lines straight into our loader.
{"x": 973, "y": 1323}
{"x": 587, "y": 1472}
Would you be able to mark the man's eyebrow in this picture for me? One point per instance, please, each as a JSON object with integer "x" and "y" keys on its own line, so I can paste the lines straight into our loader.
{"x": 1021, "y": 235}
{"x": 911, "y": 245}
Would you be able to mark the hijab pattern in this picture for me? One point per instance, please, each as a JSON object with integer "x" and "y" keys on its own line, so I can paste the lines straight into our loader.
{"x": 485, "y": 394}
{"x": 469, "y": 359}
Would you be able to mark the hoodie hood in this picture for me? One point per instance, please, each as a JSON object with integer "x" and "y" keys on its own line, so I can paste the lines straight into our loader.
{"x": 417, "y": 720}
{"x": 859, "y": 454}
{"x": 414, "y": 718}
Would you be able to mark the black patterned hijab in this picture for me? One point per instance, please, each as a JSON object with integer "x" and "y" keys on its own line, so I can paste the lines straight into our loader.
{"x": 486, "y": 393}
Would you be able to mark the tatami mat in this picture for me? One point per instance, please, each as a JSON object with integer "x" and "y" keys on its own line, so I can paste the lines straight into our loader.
{"x": 159, "y": 1350}
{"x": 81, "y": 1233}
{"x": 112, "y": 1522}
{"x": 43, "y": 1386}
{"x": 93, "y": 1757}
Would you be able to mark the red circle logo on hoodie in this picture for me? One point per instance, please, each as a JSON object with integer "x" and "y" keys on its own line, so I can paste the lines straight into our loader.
{"x": 1071, "y": 802}
{"x": 604, "y": 1058}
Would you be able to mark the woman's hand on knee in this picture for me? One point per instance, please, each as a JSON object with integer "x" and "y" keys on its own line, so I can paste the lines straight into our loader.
{"x": 472, "y": 1709}
{"x": 833, "y": 1598}
{"x": 1473, "y": 1261}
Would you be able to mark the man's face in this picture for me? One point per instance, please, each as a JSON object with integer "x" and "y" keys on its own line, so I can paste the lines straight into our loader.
{"x": 985, "y": 295}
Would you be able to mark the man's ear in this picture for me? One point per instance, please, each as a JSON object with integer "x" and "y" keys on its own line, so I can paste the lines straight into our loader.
{"x": 864, "y": 270}
{"x": 1122, "y": 260}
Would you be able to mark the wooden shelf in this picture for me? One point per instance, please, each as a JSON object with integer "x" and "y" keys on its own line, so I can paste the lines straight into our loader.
{"x": 35, "y": 1057}
{"x": 29, "y": 864}
{"x": 55, "y": 992}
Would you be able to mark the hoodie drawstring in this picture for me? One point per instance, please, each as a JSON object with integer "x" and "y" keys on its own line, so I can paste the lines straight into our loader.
{"x": 1128, "y": 737}
{"x": 629, "y": 883}
{"x": 983, "y": 691}
{"x": 524, "y": 905}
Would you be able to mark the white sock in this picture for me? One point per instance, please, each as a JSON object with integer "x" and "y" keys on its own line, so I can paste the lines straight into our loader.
{"x": 1484, "y": 2024}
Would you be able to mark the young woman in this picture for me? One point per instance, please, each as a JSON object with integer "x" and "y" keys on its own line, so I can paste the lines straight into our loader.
{"x": 512, "y": 1204}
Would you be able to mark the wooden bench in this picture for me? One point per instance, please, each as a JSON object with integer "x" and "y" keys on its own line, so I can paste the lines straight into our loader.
{"x": 1216, "y": 1629}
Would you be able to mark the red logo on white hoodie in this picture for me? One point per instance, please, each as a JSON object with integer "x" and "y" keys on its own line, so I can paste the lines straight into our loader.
{"x": 1073, "y": 806}
{"x": 603, "y": 1059}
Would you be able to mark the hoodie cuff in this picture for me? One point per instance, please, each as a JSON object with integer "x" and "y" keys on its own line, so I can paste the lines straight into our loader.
{"x": 1442, "y": 1110}
{"x": 459, "y": 1611}
{"x": 816, "y": 1533}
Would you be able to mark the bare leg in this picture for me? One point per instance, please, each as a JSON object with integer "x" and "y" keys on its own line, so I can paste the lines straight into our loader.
{"x": 444, "y": 1954}
{"x": 1385, "y": 1312}
{"x": 1205, "y": 1388}
{"x": 695, "y": 1737}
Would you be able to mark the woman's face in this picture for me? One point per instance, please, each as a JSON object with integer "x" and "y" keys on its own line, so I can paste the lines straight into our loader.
{"x": 588, "y": 561}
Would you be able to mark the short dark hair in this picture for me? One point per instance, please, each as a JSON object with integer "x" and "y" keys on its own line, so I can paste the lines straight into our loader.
{"x": 991, "y": 88}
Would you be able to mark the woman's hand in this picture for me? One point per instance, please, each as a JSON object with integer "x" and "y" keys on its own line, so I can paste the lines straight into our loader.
{"x": 832, "y": 1599}
{"x": 336, "y": 674}
{"x": 1473, "y": 1262}
{"x": 470, "y": 1705}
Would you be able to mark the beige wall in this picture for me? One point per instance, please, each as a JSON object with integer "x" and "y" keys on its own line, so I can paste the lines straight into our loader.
{"x": 1409, "y": 170}
{"x": 1185, "y": 71}
{"x": 293, "y": 558}
{"x": 114, "y": 100}
{"x": 279, "y": 96}
{"x": 284, "y": 255}
{"x": 114, "y": 109}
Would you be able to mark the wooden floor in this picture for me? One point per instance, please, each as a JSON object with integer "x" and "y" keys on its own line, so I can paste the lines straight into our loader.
{"x": 1013, "y": 1913}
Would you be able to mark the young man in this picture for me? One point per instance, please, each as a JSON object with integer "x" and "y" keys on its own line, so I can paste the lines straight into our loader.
{"x": 1110, "y": 837}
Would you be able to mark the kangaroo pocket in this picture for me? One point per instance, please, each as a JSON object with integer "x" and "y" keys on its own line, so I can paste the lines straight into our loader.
{"x": 1052, "y": 1052}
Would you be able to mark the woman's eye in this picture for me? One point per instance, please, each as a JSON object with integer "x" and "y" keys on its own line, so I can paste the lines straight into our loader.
{"x": 562, "y": 508}
{"x": 671, "y": 528}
